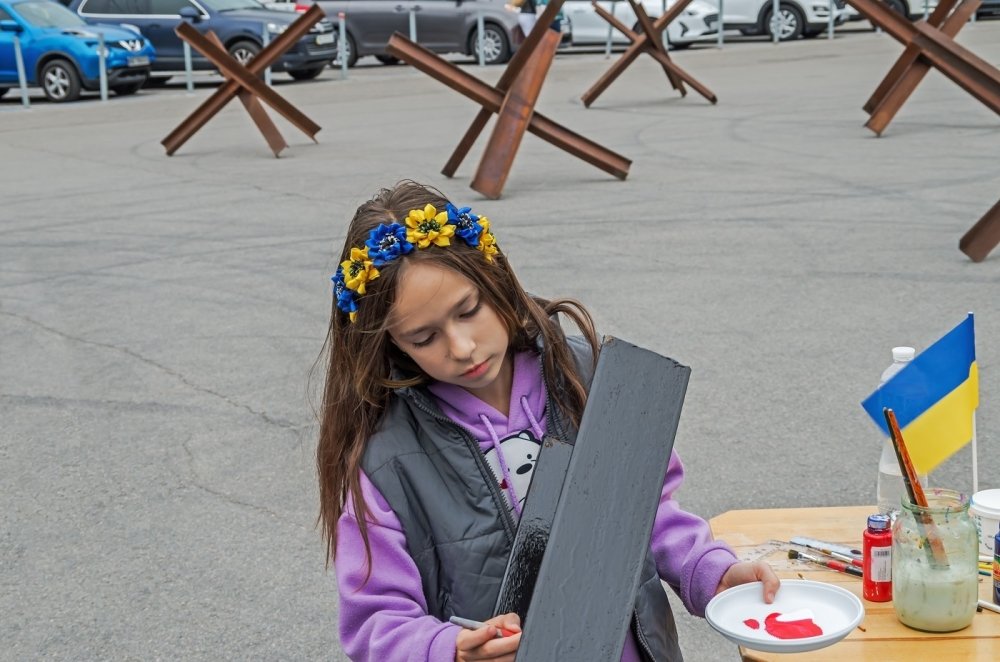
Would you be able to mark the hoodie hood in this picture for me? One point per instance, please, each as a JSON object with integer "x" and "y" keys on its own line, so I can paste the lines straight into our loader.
{"x": 527, "y": 403}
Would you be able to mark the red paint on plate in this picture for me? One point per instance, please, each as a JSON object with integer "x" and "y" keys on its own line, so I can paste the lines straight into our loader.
{"x": 791, "y": 629}
{"x": 752, "y": 623}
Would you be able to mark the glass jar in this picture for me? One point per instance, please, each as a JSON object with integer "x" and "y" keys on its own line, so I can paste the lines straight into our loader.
{"x": 935, "y": 572}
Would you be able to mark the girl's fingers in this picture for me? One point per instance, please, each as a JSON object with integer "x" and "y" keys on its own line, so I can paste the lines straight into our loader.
{"x": 469, "y": 640}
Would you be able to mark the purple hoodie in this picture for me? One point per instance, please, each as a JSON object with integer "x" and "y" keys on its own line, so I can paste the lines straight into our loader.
{"x": 386, "y": 620}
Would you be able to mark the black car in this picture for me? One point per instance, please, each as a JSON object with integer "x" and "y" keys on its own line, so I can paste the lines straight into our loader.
{"x": 239, "y": 24}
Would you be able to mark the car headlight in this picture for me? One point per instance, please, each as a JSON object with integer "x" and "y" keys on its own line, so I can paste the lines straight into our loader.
{"x": 275, "y": 28}
{"x": 512, "y": 8}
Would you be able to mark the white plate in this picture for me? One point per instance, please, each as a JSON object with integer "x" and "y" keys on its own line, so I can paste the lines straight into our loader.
{"x": 835, "y": 610}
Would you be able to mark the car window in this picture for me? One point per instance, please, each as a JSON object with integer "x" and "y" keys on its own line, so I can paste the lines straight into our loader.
{"x": 130, "y": 7}
{"x": 4, "y": 16}
{"x": 47, "y": 14}
{"x": 232, "y": 5}
{"x": 168, "y": 6}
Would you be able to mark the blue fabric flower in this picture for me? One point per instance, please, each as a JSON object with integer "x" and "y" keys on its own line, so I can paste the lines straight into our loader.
{"x": 347, "y": 300}
{"x": 387, "y": 242}
{"x": 466, "y": 223}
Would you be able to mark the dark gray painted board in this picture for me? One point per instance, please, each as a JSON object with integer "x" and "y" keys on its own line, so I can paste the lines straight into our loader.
{"x": 582, "y": 602}
{"x": 533, "y": 530}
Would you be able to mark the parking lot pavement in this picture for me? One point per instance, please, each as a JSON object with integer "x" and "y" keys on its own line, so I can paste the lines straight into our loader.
{"x": 161, "y": 317}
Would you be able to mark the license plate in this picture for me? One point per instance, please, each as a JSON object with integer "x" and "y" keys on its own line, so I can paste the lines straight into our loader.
{"x": 138, "y": 60}
{"x": 324, "y": 38}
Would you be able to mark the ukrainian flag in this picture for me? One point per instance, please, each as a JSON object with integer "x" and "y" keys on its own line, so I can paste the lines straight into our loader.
{"x": 934, "y": 398}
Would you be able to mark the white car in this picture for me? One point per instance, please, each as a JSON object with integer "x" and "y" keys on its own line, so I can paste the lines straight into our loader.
{"x": 797, "y": 18}
{"x": 698, "y": 20}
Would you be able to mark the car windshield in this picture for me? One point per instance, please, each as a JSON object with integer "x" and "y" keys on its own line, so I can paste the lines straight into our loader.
{"x": 232, "y": 5}
{"x": 48, "y": 14}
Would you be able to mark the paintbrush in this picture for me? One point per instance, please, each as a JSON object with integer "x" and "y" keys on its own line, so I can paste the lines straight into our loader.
{"x": 914, "y": 489}
{"x": 839, "y": 566}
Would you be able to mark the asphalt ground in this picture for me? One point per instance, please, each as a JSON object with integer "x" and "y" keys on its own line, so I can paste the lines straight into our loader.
{"x": 161, "y": 317}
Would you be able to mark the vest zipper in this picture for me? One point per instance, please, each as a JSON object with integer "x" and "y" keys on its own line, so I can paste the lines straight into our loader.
{"x": 641, "y": 638}
{"x": 491, "y": 481}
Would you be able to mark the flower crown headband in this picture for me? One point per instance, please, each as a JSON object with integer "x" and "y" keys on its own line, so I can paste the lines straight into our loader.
{"x": 424, "y": 227}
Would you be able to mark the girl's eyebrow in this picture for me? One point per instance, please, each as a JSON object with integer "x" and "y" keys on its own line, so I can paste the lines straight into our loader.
{"x": 458, "y": 306}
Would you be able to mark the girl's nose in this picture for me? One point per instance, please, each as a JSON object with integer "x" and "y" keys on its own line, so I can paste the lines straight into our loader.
{"x": 462, "y": 347}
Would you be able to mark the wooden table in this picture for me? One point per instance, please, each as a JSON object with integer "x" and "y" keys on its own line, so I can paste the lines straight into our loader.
{"x": 752, "y": 534}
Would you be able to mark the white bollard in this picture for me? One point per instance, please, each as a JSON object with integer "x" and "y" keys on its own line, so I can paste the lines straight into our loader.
{"x": 22, "y": 80}
{"x": 721, "y": 25}
{"x": 775, "y": 21}
{"x": 665, "y": 37}
{"x": 265, "y": 40}
{"x": 188, "y": 78}
{"x": 607, "y": 46}
{"x": 102, "y": 64}
{"x": 480, "y": 28}
{"x": 413, "y": 23}
{"x": 342, "y": 44}
{"x": 829, "y": 26}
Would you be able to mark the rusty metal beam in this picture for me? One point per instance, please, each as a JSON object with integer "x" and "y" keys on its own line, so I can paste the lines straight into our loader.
{"x": 964, "y": 68}
{"x": 982, "y": 237}
{"x": 909, "y": 70}
{"x": 509, "y": 75}
{"x": 492, "y": 100}
{"x": 649, "y": 41}
{"x": 240, "y": 78}
{"x": 515, "y": 114}
{"x": 908, "y": 57}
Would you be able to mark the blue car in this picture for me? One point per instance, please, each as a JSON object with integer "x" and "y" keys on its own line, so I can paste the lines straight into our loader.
{"x": 60, "y": 51}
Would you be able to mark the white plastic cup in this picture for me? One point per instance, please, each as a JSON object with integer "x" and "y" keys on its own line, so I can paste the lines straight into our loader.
{"x": 985, "y": 510}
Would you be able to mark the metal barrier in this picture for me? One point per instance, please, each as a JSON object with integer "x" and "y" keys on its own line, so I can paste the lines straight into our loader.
{"x": 102, "y": 65}
{"x": 342, "y": 44}
{"x": 480, "y": 28}
{"x": 22, "y": 80}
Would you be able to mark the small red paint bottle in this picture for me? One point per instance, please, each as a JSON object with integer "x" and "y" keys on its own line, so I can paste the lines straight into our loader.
{"x": 877, "y": 554}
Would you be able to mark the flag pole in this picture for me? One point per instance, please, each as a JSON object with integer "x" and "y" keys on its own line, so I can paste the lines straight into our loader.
{"x": 975, "y": 456}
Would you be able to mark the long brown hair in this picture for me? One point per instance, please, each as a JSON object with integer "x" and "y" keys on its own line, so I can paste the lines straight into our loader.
{"x": 360, "y": 356}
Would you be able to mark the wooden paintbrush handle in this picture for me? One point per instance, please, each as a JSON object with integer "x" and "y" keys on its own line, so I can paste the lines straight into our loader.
{"x": 915, "y": 488}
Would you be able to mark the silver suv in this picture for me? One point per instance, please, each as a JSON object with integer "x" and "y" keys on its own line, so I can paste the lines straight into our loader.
{"x": 443, "y": 26}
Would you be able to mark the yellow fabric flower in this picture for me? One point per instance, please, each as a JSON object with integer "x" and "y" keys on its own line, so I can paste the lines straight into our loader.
{"x": 487, "y": 242}
{"x": 428, "y": 226}
{"x": 358, "y": 270}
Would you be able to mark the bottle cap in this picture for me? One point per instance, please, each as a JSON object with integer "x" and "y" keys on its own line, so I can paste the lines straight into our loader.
{"x": 878, "y": 522}
{"x": 903, "y": 354}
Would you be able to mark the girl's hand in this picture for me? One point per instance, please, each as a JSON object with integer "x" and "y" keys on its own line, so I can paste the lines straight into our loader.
{"x": 745, "y": 572}
{"x": 483, "y": 644}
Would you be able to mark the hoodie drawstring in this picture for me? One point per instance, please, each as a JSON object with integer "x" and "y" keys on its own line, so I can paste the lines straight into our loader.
{"x": 504, "y": 471}
{"x": 535, "y": 427}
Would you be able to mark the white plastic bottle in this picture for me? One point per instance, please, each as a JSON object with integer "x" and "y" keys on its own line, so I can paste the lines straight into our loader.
{"x": 890, "y": 489}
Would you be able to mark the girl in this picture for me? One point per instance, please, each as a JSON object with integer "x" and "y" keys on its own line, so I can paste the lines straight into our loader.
{"x": 444, "y": 375}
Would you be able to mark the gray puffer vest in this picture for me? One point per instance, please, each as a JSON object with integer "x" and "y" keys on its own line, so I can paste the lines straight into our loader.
{"x": 457, "y": 527}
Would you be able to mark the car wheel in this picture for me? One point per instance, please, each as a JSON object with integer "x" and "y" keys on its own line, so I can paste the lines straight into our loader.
{"x": 307, "y": 74}
{"x": 243, "y": 51}
{"x": 496, "y": 50}
{"x": 788, "y": 25}
{"x": 350, "y": 50}
{"x": 60, "y": 81}
{"x": 898, "y": 7}
{"x": 387, "y": 59}
{"x": 125, "y": 90}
